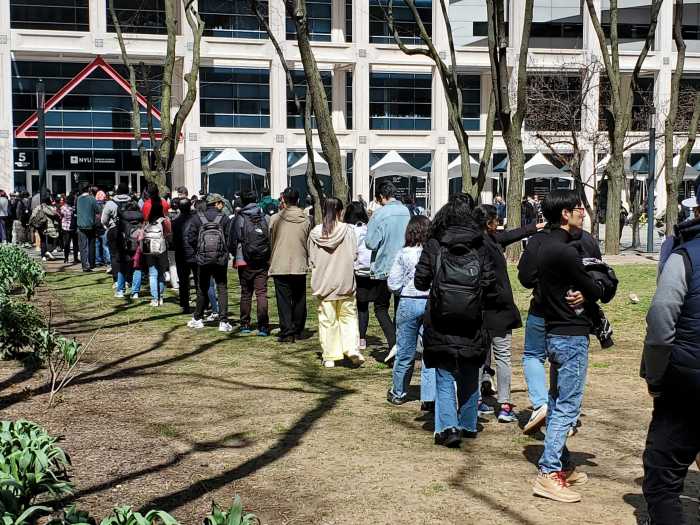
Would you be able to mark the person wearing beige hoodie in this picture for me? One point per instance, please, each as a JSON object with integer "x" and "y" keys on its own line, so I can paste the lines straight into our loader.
{"x": 332, "y": 253}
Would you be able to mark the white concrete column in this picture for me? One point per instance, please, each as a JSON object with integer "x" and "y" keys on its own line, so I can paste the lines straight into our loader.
{"x": 360, "y": 106}
{"x": 338, "y": 98}
{"x": 278, "y": 168}
{"x": 337, "y": 20}
{"x": 360, "y": 23}
{"x": 278, "y": 104}
{"x": 6, "y": 128}
{"x": 98, "y": 16}
{"x": 360, "y": 173}
{"x": 440, "y": 184}
{"x": 662, "y": 98}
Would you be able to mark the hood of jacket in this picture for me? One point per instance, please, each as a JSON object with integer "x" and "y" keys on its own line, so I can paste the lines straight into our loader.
{"x": 121, "y": 199}
{"x": 462, "y": 236}
{"x": 688, "y": 229}
{"x": 251, "y": 210}
{"x": 332, "y": 241}
{"x": 293, "y": 214}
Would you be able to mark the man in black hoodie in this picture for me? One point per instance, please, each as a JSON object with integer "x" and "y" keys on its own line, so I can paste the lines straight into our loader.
{"x": 564, "y": 286}
{"x": 185, "y": 267}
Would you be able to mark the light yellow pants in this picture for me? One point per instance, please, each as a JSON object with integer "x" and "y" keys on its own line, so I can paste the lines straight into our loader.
{"x": 338, "y": 330}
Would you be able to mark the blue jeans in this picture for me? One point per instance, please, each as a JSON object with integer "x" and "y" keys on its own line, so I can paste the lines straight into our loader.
{"x": 457, "y": 413}
{"x": 409, "y": 318}
{"x": 156, "y": 281}
{"x": 427, "y": 383}
{"x": 568, "y": 358}
{"x": 102, "y": 255}
{"x": 213, "y": 301}
{"x": 135, "y": 281}
{"x": 534, "y": 355}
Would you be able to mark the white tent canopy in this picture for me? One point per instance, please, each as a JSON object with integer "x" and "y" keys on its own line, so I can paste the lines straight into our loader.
{"x": 454, "y": 169}
{"x": 538, "y": 167}
{"x": 689, "y": 173}
{"x": 299, "y": 167}
{"x": 393, "y": 164}
{"x": 230, "y": 160}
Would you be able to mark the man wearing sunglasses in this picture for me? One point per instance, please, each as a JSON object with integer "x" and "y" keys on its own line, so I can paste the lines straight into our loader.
{"x": 564, "y": 286}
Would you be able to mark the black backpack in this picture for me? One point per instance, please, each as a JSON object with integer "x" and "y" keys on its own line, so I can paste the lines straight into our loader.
{"x": 256, "y": 239}
{"x": 456, "y": 294}
{"x": 211, "y": 242}
{"x": 128, "y": 232}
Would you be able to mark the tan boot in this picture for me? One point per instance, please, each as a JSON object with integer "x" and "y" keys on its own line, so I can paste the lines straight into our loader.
{"x": 554, "y": 486}
{"x": 573, "y": 477}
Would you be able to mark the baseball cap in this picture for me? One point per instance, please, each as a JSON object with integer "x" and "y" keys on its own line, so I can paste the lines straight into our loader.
{"x": 213, "y": 198}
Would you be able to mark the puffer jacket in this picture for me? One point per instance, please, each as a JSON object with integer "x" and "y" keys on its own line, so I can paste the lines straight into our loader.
{"x": 465, "y": 343}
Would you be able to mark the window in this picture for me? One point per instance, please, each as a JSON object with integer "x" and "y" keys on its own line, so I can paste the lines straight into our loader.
{"x": 348, "y": 20}
{"x": 686, "y": 102}
{"x": 641, "y": 106}
{"x": 232, "y": 18}
{"x": 691, "y": 25}
{"x": 403, "y": 19}
{"x": 64, "y": 15}
{"x": 633, "y": 22}
{"x": 139, "y": 16}
{"x": 348, "y": 100}
{"x": 415, "y": 189}
{"x": 98, "y": 103}
{"x": 294, "y": 120}
{"x": 471, "y": 101}
{"x": 319, "y": 20}
{"x": 554, "y": 102}
{"x": 400, "y": 101}
{"x": 557, "y": 24}
{"x": 235, "y": 183}
{"x": 234, "y": 97}
{"x": 469, "y": 22}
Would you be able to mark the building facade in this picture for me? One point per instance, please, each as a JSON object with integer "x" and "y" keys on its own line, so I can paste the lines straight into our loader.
{"x": 381, "y": 99}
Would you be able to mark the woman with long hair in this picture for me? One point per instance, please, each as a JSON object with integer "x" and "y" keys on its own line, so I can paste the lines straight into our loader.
{"x": 156, "y": 231}
{"x": 409, "y": 316}
{"x": 356, "y": 216}
{"x": 457, "y": 269}
{"x": 332, "y": 254}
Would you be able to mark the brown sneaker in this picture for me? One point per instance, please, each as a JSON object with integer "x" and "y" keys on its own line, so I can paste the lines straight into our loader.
{"x": 554, "y": 486}
{"x": 573, "y": 477}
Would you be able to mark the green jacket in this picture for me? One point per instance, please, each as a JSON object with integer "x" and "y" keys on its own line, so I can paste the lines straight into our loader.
{"x": 87, "y": 212}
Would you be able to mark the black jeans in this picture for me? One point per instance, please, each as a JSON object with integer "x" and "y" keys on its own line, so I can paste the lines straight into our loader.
{"x": 363, "y": 318}
{"x": 381, "y": 312}
{"x": 254, "y": 280}
{"x": 672, "y": 444}
{"x": 290, "y": 291}
{"x": 184, "y": 271}
{"x": 70, "y": 236}
{"x": 204, "y": 276}
{"x": 87, "y": 248}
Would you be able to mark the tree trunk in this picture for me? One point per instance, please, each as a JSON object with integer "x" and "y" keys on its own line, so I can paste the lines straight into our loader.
{"x": 612, "y": 213}
{"x": 324, "y": 122}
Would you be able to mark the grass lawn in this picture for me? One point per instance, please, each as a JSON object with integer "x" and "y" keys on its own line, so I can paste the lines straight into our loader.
{"x": 171, "y": 418}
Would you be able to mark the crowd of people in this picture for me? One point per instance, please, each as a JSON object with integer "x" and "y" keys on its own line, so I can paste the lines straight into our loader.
{"x": 453, "y": 305}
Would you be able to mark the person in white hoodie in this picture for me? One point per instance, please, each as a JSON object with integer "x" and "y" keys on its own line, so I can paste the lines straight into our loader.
{"x": 409, "y": 316}
{"x": 332, "y": 254}
{"x": 356, "y": 215}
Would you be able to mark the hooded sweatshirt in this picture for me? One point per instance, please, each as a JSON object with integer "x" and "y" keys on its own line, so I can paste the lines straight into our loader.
{"x": 110, "y": 211}
{"x": 332, "y": 261}
{"x": 289, "y": 233}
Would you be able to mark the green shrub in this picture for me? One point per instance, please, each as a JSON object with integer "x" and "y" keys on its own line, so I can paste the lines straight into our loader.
{"x": 72, "y": 516}
{"x": 18, "y": 271}
{"x": 233, "y": 516}
{"x": 127, "y": 516}
{"x": 31, "y": 464}
{"x": 19, "y": 327}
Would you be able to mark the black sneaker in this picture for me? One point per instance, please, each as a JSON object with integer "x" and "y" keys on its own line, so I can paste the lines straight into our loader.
{"x": 427, "y": 406}
{"x": 449, "y": 438}
{"x": 394, "y": 399}
{"x": 286, "y": 339}
{"x": 469, "y": 434}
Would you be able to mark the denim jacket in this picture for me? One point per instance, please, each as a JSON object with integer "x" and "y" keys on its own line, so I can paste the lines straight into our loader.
{"x": 386, "y": 233}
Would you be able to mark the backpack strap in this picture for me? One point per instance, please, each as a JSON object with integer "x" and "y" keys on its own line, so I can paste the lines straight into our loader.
{"x": 202, "y": 218}
{"x": 218, "y": 219}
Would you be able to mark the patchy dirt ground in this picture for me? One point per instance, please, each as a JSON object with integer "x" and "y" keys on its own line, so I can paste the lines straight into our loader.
{"x": 165, "y": 417}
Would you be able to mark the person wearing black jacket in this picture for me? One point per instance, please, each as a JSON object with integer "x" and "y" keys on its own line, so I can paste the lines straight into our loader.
{"x": 502, "y": 316}
{"x": 185, "y": 267}
{"x": 564, "y": 287}
{"x": 456, "y": 352}
{"x": 534, "y": 353}
{"x": 214, "y": 210}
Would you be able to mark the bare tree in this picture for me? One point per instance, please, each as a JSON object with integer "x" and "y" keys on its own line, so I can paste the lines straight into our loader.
{"x": 164, "y": 148}
{"x": 453, "y": 93}
{"x": 618, "y": 111}
{"x": 313, "y": 183}
{"x": 511, "y": 119}
{"x": 685, "y": 99}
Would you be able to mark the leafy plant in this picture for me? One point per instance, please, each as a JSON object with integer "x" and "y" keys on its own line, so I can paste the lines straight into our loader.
{"x": 31, "y": 464}
{"x": 18, "y": 271}
{"x": 127, "y": 516}
{"x": 19, "y": 327}
{"x": 72, "y": 516}
{"x": 13, "y": 513}
{"x": 233, "y": 516}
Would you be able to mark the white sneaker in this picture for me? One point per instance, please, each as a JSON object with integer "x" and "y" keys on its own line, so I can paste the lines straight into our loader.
{"x": 160, "y": 302}
{"x": 225, "y": 327}
{"x": 363, "y": 344}
{"x": 155, "y": 302}
{"x": 134, "y": 296}
{"x": 212, "y": 317}
{"x": 195, "y": 323}
{"x": 537, "y": 419}
{"x": 119, "y": 295}
{"x": 114, "y": 285}
{"x": 43, "y": 259}
{"x": 50, "y": 256}
{"x": 329, "y": 364}
{"x": 392, "y": 354}
{"x": 356, "y": 357}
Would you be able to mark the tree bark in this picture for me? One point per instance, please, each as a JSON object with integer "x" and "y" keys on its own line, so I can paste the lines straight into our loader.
{"x": 324, "y": 123}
